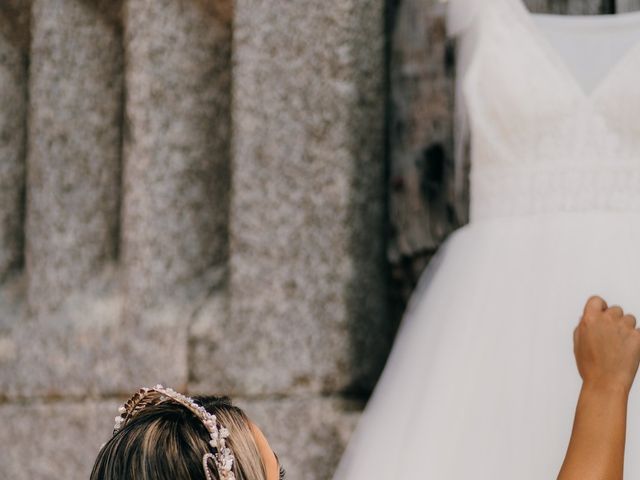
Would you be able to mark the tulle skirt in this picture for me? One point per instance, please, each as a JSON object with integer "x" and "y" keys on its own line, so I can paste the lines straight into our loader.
{"x": 482, "y": 382}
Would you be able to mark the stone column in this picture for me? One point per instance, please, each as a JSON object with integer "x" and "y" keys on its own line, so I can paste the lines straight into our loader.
{"x": 307, "y": 290}
{"x": 176, "y": 174}
{"x": 176, "y": 152}
{"x": 14, "y": 35}
{"x": 75, "y": 95}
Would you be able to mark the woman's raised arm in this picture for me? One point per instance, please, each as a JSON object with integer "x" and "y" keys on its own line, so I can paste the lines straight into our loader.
{"x": 607, "y": 350}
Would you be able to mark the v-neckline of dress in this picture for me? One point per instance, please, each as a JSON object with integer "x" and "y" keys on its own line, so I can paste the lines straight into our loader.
{"x": 543, "y": 42}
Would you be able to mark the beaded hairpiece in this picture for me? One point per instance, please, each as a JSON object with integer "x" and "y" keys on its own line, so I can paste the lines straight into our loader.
{"x": 146, "y": 397}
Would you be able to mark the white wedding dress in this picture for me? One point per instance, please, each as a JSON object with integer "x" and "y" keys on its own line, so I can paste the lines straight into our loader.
{"x": 482, "y": 383}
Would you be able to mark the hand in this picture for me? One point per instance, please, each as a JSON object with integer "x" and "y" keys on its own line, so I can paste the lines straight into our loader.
{"x": 606, "y": 345}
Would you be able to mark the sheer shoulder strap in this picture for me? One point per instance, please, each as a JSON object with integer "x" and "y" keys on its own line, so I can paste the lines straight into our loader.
{"x": 461, "y": 14}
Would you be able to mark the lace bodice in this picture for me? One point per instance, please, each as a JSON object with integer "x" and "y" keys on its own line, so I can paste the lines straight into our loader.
{"x": 545, "y": 136}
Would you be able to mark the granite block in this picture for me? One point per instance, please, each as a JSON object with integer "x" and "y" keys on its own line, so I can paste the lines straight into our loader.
{"x": 75, "y": 113}
{"x": 13, "y": 98}
{"x": 176, "y": 149}
{"x": 307, "y": 289}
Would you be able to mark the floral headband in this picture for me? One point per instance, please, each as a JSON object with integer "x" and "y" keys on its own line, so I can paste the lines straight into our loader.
{"x": 146, "y": 397}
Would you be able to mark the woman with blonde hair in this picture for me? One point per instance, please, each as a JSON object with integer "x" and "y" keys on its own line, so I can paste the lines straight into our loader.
{"x": 161, "y": 434}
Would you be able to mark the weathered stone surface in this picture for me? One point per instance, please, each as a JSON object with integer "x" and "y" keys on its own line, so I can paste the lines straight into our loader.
{"x": 207, "y": 371}
{"x": 84, "y": 348}
{"x": 588, "y": 7}
{"x": 11, "y": 313}
{"x": 307, "y": 293}
{"x": 308, "y": 434}
{"x": 50, "y": 441}
{"x": 421, "y": 118}
{"x": 75, "y": 95}
{"x": 13, "y": 99}
{"x": 627, "y": 5}
{"x": 176, "y": 151}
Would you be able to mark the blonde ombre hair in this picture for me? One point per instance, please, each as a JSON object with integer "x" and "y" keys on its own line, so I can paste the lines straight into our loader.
{"x": 167, "y": 442}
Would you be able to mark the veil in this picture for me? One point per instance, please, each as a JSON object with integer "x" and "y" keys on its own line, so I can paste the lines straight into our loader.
{"x": 460, "y": 16}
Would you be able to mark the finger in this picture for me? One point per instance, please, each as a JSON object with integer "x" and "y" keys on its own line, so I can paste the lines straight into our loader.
{"x": 630, "y": 320}
{"x": 616, "y": 311}
{"x": 595, "y": 303}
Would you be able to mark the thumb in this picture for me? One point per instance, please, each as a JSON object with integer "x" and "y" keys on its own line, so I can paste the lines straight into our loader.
{"x": 595, "y": 304}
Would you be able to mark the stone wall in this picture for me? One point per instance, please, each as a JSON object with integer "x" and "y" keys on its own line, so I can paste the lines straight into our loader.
{"x": 193, "y": 204}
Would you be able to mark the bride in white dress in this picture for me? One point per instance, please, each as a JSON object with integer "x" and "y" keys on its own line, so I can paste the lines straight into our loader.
{"x": 481, "y": 383}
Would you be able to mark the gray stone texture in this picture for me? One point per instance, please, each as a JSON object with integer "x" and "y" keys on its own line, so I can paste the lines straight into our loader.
{"x": 75, "y": 94}
{"x": 85, "y": 348}
{"x": 573, "y": 7}
{"x": 307, "y": 286}
{"x": 176, "y": 149}
{"x": 207, "y": 370}
{"x": 587, "y": 7}
{"x": 627, "y": 5}
{"x": 51, "y": 441}
{"x": 421, "y": 123}
{"x": 13, "y": 102}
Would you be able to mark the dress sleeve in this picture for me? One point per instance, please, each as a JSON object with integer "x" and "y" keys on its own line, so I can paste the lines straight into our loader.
{"x": 460, "y": 20}
{"x": 461, "y": 153}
